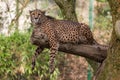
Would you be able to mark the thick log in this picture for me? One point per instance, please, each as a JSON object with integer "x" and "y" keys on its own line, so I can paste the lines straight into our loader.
{"x": 94, "y": 52}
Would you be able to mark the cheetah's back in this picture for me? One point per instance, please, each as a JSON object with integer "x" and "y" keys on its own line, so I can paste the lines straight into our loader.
{"x": 73, "y": 32}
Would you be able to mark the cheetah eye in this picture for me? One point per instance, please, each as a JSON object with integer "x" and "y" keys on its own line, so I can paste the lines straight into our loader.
{"x": 33, "y": 13}
{"x": 38, "y": 14}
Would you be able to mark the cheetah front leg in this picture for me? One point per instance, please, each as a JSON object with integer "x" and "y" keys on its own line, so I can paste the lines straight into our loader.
{"x": 53, "y": 52}
{"x": 54, "y": 45}
{"x": 37, "y": 52}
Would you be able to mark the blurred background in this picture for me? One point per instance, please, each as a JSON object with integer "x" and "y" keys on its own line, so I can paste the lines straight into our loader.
{"x": 16, "y": 50}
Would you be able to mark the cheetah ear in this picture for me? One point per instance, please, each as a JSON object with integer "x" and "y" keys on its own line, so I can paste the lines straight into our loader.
{"x": 43, "y": 12}
{"x": 30, "y": 11}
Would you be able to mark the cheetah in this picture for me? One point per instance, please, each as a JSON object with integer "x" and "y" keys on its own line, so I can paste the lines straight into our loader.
{"x": 59, "y": 31}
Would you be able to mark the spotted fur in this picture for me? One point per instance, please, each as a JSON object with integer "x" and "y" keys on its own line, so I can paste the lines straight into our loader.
{"x": 60, "y": 31}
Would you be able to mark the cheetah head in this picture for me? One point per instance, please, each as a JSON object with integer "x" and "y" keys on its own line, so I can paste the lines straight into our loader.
{"x": 36, "y": 16}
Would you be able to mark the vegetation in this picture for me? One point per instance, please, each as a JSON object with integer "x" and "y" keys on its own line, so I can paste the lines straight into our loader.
{"x": 15, "y": 59}
{"x": 101, "y": 0}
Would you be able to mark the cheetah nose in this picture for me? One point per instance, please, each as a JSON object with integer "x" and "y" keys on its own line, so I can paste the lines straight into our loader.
{"x": 36, "y": 18}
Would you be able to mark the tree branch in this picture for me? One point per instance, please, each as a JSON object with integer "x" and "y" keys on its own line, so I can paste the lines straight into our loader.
{"x": 94, "y": 52}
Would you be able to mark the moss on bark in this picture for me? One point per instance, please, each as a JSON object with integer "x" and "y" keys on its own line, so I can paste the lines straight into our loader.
{"x": 112, "y": 64}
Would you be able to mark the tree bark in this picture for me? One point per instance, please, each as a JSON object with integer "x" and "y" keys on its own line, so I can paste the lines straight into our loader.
{"x": 112, "y": 63}
{"x": 67, "y": 8}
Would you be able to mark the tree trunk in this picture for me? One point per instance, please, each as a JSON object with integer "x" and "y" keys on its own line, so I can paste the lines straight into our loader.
{"x": 67, "y": 8}
{"x": 112, "y": 63}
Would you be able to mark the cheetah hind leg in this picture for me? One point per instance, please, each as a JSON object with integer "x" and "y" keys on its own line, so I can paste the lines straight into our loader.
{"x": 83, "y": 39}
{"x": 37, "y": 52}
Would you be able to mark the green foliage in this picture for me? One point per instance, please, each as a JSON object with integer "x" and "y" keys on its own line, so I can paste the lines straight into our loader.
{"x": 103, "y": 22}
{"x": 15, "y": 59}
{"x": 105, "y": 10}
{"x": 102, "y": 0}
